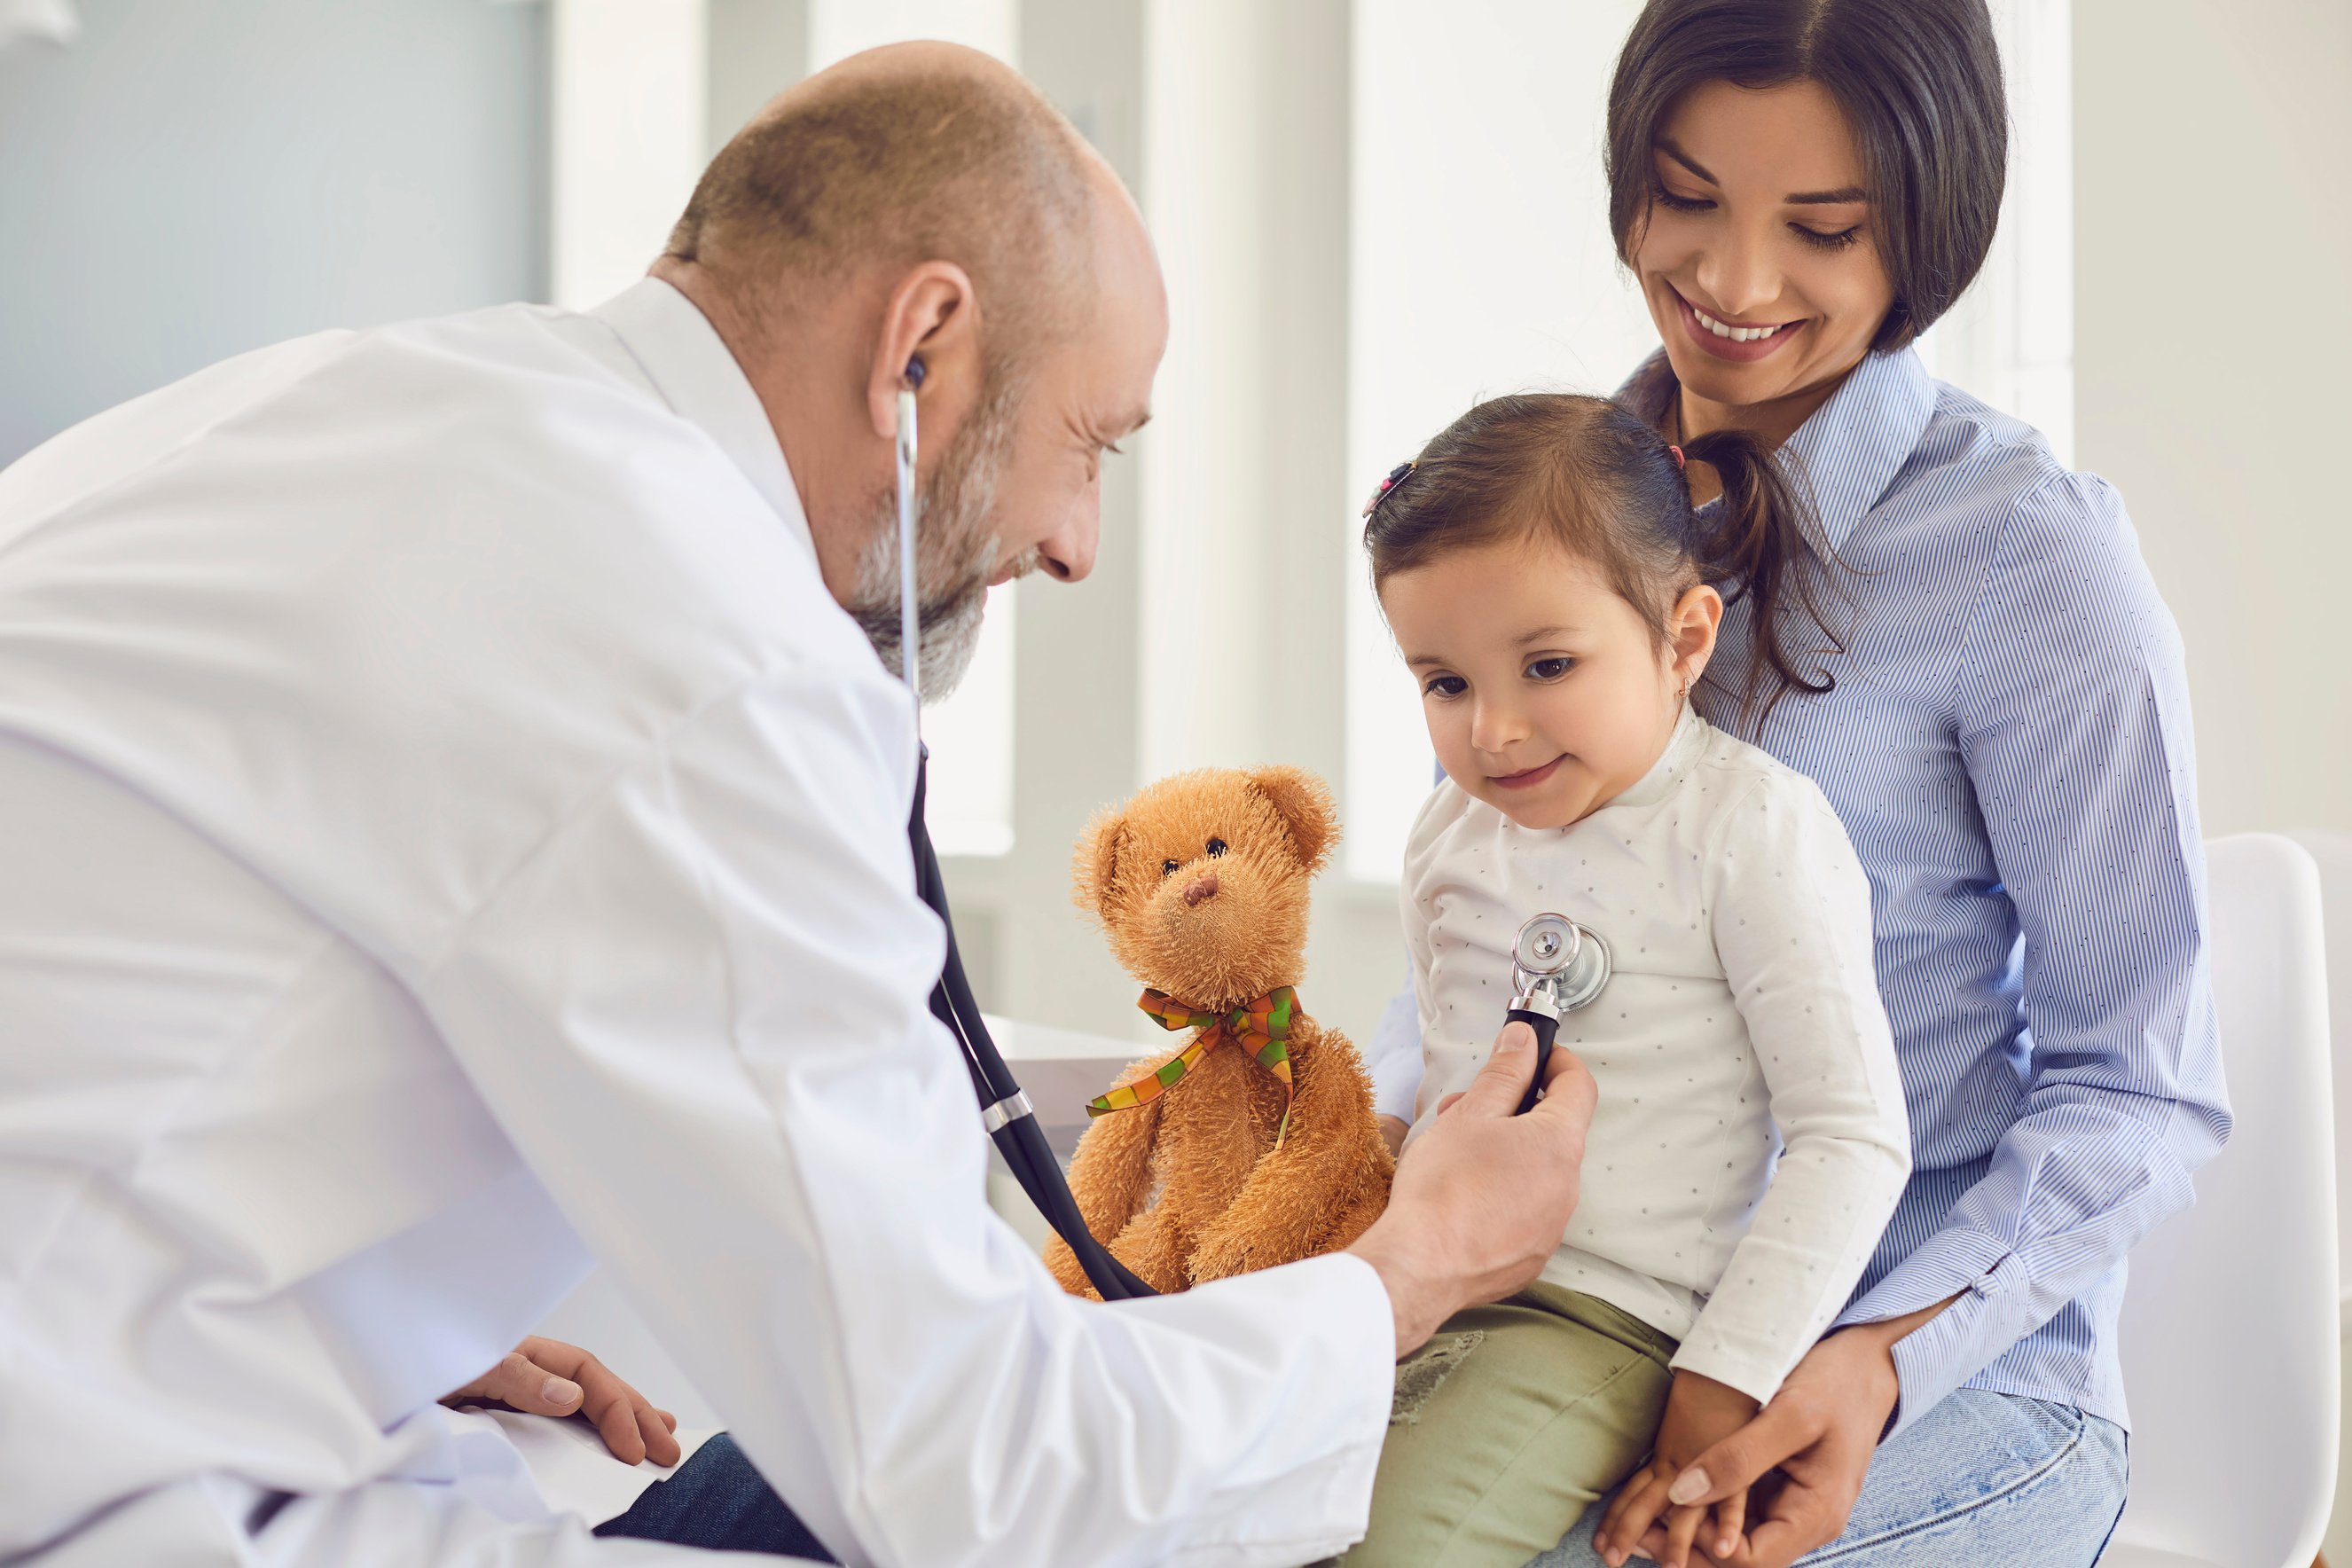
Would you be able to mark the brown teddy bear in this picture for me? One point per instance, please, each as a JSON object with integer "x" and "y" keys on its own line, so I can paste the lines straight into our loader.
{"x": 1256, "y": 1133}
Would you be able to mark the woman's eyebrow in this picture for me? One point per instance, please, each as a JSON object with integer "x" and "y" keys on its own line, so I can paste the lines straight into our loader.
{"x": 1828, "y": 198}
{"x": 1686, "y": 160}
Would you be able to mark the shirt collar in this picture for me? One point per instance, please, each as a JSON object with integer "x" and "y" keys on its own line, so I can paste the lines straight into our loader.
{"x": 690, "y": 365}
{"x": 1854, "y": 444}
{"x": 1682, "y": 750}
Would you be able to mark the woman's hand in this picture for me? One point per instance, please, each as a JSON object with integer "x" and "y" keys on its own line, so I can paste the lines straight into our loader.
{"x": 1392, "y": 1131}
{"x": 1805, "y": 1453}
{"x": 1700, "y": 1413}
{"x": 548, "y": 1377}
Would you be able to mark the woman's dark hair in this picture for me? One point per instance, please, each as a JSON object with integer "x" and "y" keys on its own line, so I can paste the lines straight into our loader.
{"x": 1590, "y": 475}
{"x": 1919, "y": 81}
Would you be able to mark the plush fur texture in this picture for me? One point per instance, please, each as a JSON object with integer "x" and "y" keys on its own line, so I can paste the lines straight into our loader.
{"x": 1189, "y": 1186}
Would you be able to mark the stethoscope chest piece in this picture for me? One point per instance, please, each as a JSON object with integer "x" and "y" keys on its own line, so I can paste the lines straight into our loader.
{"x": 1566, "y": 962}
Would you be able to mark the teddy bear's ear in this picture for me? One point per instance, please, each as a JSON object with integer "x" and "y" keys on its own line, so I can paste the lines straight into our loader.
{"x": 1094, "y": 869}
{"x": 1304, "y": 804}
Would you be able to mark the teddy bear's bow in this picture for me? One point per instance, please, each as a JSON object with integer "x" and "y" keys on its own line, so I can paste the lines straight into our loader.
{"x": 1261, "y": 1027}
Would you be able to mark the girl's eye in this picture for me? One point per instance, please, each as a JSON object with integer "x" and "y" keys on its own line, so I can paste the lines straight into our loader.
{"x": 1838, "y": 241}
{"x": 1168, "y": 868}
{"x": 1445, "y": 685}
{"x": 1549, "y": 668}
{"x": 1672, "y": 202}
{"x": 1216, "y": 846}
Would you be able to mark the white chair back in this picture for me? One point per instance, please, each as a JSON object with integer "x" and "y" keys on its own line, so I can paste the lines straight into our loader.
{"x": 2229, "y": 1345}
{"x": 2333, "y": 851}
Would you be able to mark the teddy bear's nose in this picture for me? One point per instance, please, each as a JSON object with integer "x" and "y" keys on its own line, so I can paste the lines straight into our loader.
{"x": 1201, "y": 888}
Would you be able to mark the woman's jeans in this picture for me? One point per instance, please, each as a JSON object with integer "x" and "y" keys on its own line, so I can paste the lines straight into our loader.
{"x": 1982, "y": 1478}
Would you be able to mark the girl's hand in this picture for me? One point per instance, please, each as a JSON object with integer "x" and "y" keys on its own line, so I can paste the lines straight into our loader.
{"x": 1811, "y": 1447}
{"x": 1700, "y": 1413}
{"x": 548, "y": 1377}
{"x": 1392, "y": 1131}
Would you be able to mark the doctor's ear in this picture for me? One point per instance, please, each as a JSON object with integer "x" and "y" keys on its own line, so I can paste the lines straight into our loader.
{"x": 929, "y": 342}
{"x": 1095, "y": 870}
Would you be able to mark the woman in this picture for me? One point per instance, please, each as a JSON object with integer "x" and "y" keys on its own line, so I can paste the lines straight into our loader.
{"x": 1801, "y": 188}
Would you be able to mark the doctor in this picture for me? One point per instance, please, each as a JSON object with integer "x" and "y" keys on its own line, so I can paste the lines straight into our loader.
{"x": 453, "y": 822}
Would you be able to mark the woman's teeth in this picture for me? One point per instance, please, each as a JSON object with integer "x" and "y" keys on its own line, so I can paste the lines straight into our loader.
{"x": 1737, "y": 334}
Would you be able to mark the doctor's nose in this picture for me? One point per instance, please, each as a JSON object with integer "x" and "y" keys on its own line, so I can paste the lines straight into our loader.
{"x": 1068, "y": 553}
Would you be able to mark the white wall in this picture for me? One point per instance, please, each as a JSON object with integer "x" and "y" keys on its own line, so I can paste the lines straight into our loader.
{"x": 2213, "y": 365}
{"x": 194, "y": 178}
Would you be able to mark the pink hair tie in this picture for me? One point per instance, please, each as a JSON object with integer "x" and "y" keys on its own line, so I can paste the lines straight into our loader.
{"x": 1676, "y": 453}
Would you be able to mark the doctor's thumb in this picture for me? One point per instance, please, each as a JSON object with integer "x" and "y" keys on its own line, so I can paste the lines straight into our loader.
{"x": 1504, "y": 1081}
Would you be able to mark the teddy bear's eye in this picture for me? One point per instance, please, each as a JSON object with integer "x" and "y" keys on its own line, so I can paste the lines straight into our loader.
{"x": 1216, "y": 846}
{"x": 1168, "y": 868}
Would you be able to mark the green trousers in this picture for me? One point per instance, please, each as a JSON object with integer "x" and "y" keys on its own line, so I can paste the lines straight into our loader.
{"x": 1507, "y": 1425}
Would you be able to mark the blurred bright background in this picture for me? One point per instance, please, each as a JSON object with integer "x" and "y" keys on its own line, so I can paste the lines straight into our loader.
{"x": 1371, "y": 213}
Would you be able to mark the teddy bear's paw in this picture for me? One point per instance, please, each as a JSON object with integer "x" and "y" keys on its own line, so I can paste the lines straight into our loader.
{"x": 1222, "y": 1257}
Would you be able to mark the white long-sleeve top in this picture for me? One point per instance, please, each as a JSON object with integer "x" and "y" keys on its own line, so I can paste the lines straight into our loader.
{"x": 449, "y": 833}
{"x": 1749, "y": 1141}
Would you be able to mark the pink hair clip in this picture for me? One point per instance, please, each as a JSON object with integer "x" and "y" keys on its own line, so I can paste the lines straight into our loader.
{"x": 1380, "y": 493}
{"x": 1676, "y": 454}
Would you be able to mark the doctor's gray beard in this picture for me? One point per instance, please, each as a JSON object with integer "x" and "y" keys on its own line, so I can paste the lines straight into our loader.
{"x": 956, "y": 551}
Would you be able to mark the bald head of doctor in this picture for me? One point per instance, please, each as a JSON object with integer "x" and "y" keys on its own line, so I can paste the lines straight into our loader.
{"x": 922, "y": 203}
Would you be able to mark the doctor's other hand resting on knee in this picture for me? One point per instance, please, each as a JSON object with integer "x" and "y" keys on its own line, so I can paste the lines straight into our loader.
{"x": 1481, "y": 1203}
{"x": 549, "y": 1377}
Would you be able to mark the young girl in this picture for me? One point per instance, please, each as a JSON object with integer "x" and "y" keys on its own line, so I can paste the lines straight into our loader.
{"x": 1556, "y": 595}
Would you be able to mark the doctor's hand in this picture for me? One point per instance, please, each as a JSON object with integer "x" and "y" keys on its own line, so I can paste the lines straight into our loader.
{"x": 548, "y": 1377}
{"x": 1481, "y": 1203}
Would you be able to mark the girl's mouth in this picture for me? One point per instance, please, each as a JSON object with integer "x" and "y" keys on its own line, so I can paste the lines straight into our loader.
{"x": 1526, "y": 778}
{"x": 1739, "y": 340}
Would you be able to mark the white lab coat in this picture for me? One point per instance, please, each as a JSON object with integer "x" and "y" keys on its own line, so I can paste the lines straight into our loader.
{"x": 449, "y": 833}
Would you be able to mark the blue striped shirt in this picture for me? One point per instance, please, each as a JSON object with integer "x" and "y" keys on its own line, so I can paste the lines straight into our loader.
{"x": 2008, "y": 746}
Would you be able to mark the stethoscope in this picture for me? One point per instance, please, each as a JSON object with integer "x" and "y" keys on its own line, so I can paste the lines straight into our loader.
{"x": 1005, "y": 1110}
{"x": 1557, "y": 966}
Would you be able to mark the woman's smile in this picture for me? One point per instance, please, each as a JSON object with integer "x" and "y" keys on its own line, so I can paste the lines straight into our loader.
{"x": 1745, "y": 341}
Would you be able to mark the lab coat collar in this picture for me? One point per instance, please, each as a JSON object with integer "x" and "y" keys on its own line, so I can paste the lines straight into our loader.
{"x": 690, "y": 365}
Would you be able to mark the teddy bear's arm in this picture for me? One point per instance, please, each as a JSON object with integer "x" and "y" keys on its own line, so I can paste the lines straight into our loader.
{"x": 1110, "y": 1176}
{"x": 1330, "y": 1173}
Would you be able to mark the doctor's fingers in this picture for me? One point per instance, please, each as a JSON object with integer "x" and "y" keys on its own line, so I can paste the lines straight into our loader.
{"x": 632, "y": 1428}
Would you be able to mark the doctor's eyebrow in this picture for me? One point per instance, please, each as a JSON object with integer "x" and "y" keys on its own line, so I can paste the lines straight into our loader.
{"x": 1838, "y": 197}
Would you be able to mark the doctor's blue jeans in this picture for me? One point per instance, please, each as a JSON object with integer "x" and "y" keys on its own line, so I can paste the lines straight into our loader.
{"x": 1982, "y": 1480}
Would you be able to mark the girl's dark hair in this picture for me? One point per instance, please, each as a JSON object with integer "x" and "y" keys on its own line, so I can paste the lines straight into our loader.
{"x": 1919, "y": 81}
{"x": 1591, "y": 476}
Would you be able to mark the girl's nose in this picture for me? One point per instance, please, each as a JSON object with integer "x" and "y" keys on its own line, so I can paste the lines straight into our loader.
{"x": 1495, "y": 729}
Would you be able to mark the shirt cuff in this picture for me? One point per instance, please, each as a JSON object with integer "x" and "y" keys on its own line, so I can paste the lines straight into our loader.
{"x": 1991, "y": 1309}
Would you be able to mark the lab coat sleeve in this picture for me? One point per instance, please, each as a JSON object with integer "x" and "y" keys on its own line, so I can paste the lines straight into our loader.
{"x": 699, "y": 1008}
{"x": 1790, "y": 912}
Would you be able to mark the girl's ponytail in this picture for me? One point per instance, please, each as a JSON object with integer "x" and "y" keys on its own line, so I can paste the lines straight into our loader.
{"x": 1757, "y": 541}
